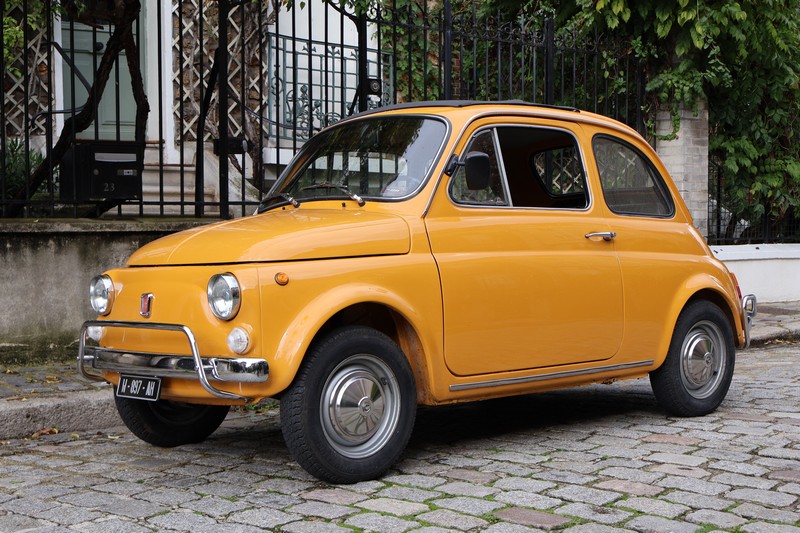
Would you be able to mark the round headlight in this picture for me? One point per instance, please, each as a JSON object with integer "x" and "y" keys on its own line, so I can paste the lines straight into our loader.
{"x": 224, "y": 296}
{"x": 101, "y": 294}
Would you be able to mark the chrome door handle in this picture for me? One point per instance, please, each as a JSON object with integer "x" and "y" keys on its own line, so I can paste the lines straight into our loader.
{"x": 606, "y": 235}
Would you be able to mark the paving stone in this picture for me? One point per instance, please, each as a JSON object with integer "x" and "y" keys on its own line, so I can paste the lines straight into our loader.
{"x": 715, "y": 518}
{"x": 269, "y": 518}
{"x": 763, "y": 527}
{"x": 680, "y": 470}
{"x": 472, "y": 476}
{"x": 393, "y": 507}
{"x": 117, "y": 525}
{"x": 766, "y": 497}
{"x": 655, "y": 524}
{"x": 754, "y": 511}
{"x": 434, "y": 529}
{"x": 13, "y": 522}
{"x": 322, "y": 509}
{"x": 380, "y": 523}
{"x": 785, "y": 475}
{"x": 629, "y": 487}
{"x": 409, "y": 493}
{"x": 577, "y": 493}
{"x": 534, "y": 500}
{"x": 452, "y": 520}
{"x": 461, "y": 461}
{"x": 744, "y": 481}
{"x": 697, "y": 501}
{"x": 594, "y": 528}
{"x": 511, "y": 457}
{"x": 510, "y": 528}
{"x": 314, "y": 527}
{"x": 671, "y": 438}
{"x": 214, "y": 506}
{"x": 746, "y": 469}
{"x": 693, "y": 485}
{"x": 525, "y": 484}
{"x": 528, "y": 517}
{"x": 602, "y": 515}
{"x": 632, "y": 474}
{"x": 182, "y": 521}
{"x": 677, "y": 459}
{"x": 414, "y": 480}
{"x": 339, "y": 496}
{"x": 466, "y": 505}
{"x": 460, "y": 488}
{"x": 565, "y": 476}
{"x": 653, "y": 507}
{"x": 791, "y": 488}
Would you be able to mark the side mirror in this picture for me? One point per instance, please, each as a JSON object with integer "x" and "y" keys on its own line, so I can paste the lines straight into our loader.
{"x": 476, "y": 170}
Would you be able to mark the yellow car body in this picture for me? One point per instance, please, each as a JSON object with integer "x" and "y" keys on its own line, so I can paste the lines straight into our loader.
{"x": 483, "y": 299}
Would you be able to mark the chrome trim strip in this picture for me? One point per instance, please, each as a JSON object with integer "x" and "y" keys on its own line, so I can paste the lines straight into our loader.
{"x": 242, "y": 370}
{"x": 543, "y": 377}
{"x": 237, "y": 370}
{"x": 750, "y": 310}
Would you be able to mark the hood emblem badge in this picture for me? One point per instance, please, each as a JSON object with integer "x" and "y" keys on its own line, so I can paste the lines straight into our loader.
{"x": 146, "y": 304}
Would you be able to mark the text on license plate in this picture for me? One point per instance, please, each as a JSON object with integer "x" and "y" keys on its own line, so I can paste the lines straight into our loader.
{"x": 138, "y": 387}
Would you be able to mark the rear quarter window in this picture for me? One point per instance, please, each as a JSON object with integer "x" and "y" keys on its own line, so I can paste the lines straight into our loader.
{"x": 631, "y": 184}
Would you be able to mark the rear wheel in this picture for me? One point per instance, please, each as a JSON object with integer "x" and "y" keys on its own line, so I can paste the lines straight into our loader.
{"x": 350, "y": 411}
{"x": 167, "y": 424}
{"x": 698, "y": 370}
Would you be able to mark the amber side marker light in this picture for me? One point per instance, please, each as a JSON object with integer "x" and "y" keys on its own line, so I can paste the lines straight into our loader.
{"x": 282, "y": 278}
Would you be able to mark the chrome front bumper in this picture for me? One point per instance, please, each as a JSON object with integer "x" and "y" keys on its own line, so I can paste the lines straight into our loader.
{"x": 195, "y": 367}
{"x": 749, "y": 306}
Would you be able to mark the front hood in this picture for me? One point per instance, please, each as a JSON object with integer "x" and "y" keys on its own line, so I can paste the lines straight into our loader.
{"x": 281, "y": 235}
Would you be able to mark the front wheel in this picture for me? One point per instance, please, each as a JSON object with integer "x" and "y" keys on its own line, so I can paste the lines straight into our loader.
{"x": 698, "y": 370}
{"x": 168, "y": 424}
{"x": 350, "y": 411}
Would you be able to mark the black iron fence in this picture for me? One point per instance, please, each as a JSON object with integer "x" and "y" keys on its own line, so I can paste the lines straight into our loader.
{"x": 733, "y": 218}
{"x": 193, "y": 107}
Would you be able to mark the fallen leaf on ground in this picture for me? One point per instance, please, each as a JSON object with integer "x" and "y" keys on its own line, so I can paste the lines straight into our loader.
{"x": 45, "y": 431}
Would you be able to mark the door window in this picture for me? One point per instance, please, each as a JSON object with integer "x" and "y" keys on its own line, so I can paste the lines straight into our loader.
{"x": 529, "y": 167}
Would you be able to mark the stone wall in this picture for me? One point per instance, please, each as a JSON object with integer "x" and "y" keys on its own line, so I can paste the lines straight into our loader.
{"x": 686, "y": 157}
{"x": 45, "y": 269}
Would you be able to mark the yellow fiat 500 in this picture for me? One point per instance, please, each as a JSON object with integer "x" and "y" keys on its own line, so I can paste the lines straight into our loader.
{"x": 422, "y": 254}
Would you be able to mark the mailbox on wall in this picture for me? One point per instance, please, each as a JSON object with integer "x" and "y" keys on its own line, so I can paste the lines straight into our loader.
{"x": 96, "y": 170}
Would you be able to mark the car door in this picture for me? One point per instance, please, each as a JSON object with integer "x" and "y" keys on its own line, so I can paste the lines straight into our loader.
{"x": 529, "y": 274}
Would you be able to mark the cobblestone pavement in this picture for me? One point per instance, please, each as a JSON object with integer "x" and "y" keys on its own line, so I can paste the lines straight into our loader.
{"x": 599, "y": 459}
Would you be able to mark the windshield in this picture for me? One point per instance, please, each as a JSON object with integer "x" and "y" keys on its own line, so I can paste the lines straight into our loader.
{"x": 374, "y": 158}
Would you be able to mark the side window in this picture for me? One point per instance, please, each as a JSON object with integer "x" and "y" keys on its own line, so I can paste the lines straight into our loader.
{"x": 543, "y": 168}
{"x": 494, "y": 194}
{"x": 631, "y": 185}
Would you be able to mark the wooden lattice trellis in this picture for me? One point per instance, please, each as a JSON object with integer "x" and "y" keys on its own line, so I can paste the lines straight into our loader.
{"x": 193, "y": 58}
{"x": 25, "y": 112}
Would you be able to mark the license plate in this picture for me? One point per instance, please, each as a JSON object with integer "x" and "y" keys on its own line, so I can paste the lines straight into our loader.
{"x": 139, "y": 388}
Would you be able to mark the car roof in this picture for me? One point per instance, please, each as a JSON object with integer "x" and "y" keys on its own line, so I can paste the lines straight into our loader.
{"x": 501, "y": 106}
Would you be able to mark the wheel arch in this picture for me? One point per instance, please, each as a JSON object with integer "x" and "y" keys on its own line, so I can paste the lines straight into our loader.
{"x": 701, "y": 288}
{"x": 362, "y": 306}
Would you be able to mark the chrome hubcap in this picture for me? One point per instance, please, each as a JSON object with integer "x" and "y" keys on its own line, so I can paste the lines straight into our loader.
{"x": 359, "y": 406}
{"x": 703, "y": 359}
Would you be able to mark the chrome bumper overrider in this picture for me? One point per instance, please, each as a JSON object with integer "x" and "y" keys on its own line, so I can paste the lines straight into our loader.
{"x": 195, "y": 367}
{"x": 749, "y": 305}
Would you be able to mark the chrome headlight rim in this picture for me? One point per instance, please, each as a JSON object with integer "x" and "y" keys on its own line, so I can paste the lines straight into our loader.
{"x": 224, "y": 304}
{"x": 101, "y": 294}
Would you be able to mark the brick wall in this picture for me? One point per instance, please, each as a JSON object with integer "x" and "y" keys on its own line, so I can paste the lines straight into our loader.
{"x": 686, "y": 158}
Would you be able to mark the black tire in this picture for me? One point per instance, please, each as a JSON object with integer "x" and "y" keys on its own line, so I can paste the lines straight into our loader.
{"x": 350, "y": 411}
{"x": 697, "y": 372}
{"x": 168, "y": 424}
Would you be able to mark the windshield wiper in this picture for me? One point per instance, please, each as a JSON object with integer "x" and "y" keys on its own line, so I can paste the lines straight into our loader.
{"x": 329, "y": 185}
{"x": 288, "y": 197}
